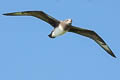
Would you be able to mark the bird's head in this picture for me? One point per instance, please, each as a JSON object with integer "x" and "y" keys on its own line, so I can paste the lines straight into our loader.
{"x": 68, "y": 21}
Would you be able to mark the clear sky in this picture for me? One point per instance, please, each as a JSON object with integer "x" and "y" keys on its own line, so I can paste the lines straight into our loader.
{"x": 27, "y": 53}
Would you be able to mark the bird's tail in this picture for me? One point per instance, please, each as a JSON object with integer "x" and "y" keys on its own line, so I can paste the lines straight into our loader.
{"x": 25, "y": 13}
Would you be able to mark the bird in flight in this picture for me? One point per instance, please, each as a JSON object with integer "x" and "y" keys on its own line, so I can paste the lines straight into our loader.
{"x": 61, "y": 27}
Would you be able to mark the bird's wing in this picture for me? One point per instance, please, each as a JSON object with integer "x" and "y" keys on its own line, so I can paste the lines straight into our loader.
{"x": 93, "y": 35}
{"x": 39, "y": 14}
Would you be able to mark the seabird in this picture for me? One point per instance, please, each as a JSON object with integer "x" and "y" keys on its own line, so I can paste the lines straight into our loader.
{"x": 61, "y": 27}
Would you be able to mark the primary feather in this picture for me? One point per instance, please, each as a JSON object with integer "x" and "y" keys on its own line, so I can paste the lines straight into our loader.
{"x": 39, "y": 14}
{"x": 93, "y": 35}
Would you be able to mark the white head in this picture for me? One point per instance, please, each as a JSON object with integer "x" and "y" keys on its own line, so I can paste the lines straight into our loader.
{"x": 68, "y": 21}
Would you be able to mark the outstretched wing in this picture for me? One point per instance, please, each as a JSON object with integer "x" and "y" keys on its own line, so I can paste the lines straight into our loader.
{"x": 91, "y": 34}
{"x": 39, "y": 14}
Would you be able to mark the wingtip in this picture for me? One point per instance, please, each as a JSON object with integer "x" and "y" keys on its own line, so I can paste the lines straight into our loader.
{"x": 6, "y": 14}
{"x": 113, "y": 55}
{"x": 13, "y": 14}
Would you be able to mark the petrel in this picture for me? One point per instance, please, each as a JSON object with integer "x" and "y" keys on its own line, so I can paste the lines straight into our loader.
{"x": 61, "y": 27}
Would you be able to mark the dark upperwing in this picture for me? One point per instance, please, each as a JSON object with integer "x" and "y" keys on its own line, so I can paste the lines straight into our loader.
{"x": 93, "y": 35}
{"x": 39, "y": 14}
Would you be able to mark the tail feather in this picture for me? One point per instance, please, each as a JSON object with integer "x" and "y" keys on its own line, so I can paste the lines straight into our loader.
{"x": 50, "y": 35}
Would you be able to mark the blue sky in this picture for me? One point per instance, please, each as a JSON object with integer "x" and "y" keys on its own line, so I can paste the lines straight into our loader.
{"x": 27, "y": 53}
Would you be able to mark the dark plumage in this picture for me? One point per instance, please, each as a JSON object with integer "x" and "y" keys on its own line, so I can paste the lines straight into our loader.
{"x": 60, "y": 27}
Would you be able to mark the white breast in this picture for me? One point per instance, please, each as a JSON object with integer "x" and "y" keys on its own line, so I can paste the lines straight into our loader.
{"x": 58, "y": 31}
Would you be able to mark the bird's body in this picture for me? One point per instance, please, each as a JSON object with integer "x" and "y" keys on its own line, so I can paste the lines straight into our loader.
{"x": 61, "y": 27}
{"x": 58, "y": 31}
